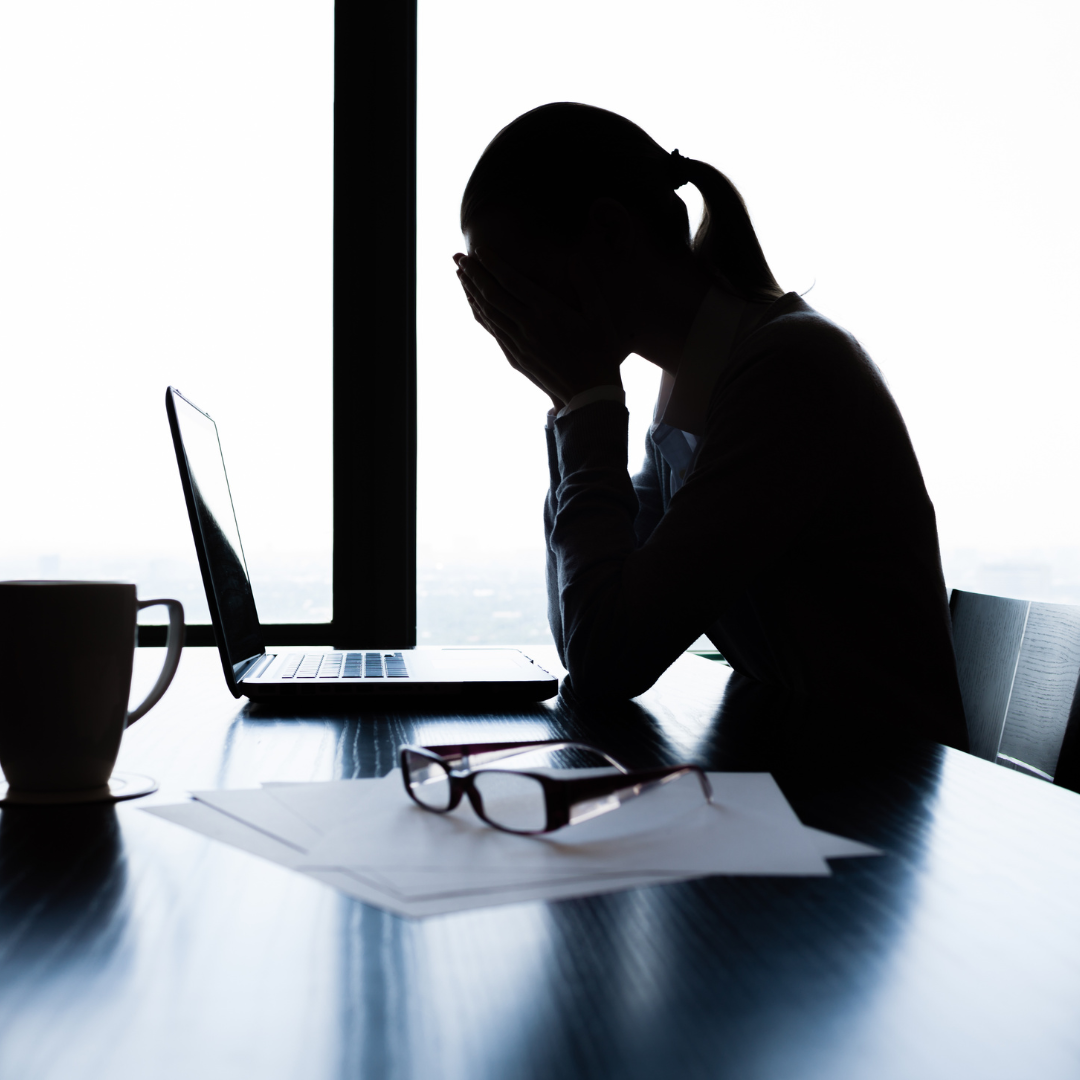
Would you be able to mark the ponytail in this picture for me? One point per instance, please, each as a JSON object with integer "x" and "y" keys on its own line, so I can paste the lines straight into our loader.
{"x": 725, "y": 241}
{"x": 553, "y": 162}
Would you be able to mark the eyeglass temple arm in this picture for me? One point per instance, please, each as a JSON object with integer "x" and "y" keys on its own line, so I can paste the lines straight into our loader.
{"x": 579, "y": 790}
{"x": 486, "y": 753}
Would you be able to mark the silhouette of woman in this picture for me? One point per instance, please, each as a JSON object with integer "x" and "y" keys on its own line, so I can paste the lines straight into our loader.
{"x": 780, "y": 508}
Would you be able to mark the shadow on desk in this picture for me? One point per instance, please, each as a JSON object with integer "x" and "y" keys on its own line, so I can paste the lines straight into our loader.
{"x": 433, "y": 705}
{"x": 707, "y": 715}
{"x": 742, "y": 725}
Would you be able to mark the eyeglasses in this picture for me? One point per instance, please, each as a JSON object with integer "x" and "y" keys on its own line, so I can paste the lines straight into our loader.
{"x": 524, "y": 802}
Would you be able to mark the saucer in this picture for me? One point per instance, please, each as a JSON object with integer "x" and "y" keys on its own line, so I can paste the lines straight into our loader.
{"x": 121, "y": 785}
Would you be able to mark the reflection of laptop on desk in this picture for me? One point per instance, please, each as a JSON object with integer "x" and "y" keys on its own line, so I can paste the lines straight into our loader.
{"x": 250, "y": 669}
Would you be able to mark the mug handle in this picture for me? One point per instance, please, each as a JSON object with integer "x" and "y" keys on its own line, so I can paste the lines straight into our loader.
{"x": 174, "y": 643}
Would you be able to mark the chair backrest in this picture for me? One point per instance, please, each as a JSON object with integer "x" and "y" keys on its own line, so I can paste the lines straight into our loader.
{"x": 1019, "y": 664}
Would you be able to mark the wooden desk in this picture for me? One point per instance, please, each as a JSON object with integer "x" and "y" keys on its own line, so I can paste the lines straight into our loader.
{"x": 131, "y": 947}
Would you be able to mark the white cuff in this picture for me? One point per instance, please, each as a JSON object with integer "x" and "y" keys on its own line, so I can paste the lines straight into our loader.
{"x": 609, "y": 392}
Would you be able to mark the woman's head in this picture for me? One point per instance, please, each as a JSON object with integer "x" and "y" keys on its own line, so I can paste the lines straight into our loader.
{"x": 550, "y": 167}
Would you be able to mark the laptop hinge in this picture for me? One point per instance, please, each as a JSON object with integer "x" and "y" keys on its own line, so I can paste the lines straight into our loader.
{"x": 242, "y": 670}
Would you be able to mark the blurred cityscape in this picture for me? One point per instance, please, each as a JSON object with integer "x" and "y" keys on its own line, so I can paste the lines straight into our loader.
{"x": 1048, "y": 575}
{"x": 294, "y": 588}
{"x": 479, "y": 597}
{"x": 486, "y": 598}
{"x": 462, "y": 598}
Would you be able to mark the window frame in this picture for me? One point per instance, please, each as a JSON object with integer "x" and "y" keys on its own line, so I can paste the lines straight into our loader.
{"x": 374, "y": 340}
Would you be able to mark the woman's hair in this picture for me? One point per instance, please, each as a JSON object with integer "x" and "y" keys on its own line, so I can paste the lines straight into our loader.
{"x": 552, "y": 163}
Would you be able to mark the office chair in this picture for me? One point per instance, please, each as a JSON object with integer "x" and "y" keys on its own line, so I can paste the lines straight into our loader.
{"x": 1019, "y": 665}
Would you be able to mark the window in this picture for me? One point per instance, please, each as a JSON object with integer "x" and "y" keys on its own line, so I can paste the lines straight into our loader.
{"x": 169, "y": 218}
{"x": 911, "y": 166}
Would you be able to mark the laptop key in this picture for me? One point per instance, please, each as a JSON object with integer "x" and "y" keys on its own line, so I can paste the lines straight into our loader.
{"x": 331, "y": 666}
{"x": 309, "y": 667}
{"x": 373, "y": 666}
{"x": 289, "y": 665}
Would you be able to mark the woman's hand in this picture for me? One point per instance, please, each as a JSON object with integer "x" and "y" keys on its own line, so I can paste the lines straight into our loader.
{"x": 562, "y": 350}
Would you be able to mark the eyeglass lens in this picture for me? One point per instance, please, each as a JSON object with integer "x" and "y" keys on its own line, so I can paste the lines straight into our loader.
{"x": 428, "y": 782}
{"x": 512, "y": 800}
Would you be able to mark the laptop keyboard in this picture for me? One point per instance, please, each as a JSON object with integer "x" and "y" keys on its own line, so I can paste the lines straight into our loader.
{"x": 343, "y": 665}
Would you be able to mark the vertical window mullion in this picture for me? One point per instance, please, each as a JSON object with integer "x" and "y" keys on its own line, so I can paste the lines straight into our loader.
{"x": 374, "y": 563}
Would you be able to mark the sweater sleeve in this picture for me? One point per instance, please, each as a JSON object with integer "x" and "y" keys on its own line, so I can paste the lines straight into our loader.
{"x": 770, "y": 455}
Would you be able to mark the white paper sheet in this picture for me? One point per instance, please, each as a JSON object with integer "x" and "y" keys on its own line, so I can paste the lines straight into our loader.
{"x": 365, "y": 838}
{"x": 259, "y": 809}
{"x": 393, "y": 833}
{"x": 203, "y": 818}
{"x": 831, "y": 846}
{"x": 352, "y": 885}
{"x": 324, "y": 805}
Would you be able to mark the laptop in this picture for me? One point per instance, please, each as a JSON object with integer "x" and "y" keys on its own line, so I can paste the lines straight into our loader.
{"x": 363, "y": 672}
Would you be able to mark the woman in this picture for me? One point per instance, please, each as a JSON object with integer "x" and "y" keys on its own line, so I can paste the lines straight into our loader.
{"x": 780, "y": 508}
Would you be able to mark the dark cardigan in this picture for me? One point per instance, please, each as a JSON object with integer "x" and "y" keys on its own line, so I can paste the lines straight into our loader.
{"x": 802, "y": 541}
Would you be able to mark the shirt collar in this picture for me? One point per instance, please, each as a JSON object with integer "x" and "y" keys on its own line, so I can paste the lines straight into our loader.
{"x": 684, "y": 398}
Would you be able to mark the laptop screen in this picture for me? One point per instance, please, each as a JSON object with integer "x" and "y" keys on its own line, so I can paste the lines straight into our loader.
{"x": 217, "y": 536}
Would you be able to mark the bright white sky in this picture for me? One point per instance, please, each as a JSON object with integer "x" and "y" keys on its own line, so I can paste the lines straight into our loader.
{"x": 165, "y": 214}
{"x": 918, "y": 162}
{"x": 165, "y": 217}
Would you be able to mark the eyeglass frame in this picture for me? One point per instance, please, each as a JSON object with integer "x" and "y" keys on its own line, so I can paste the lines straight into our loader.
{"x": 561, "y": 795}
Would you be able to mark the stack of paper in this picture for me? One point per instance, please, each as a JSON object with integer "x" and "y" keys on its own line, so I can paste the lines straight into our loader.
{"x": 367, "y": 838}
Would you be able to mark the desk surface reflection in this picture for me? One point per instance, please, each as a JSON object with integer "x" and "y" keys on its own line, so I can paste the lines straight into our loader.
{"x": 128, "y": 943}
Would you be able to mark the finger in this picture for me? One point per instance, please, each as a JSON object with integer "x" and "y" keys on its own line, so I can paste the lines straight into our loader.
{"x": 478, "y": 313}
{"x": 514, "y": 282}
{"x": 479, "y": 316}
{"x": 485, "y": 284}
{"x": 488, "y": 298}
{"x": 538, "y": 381}
{"x": 511, "y": 356}
{"x": 479, "y": 304}
{"x": 509, "y": 351}
{"x": 491, "y": 311}
{"x": 506, "y": 342}
{"x": 537, "y": 374}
